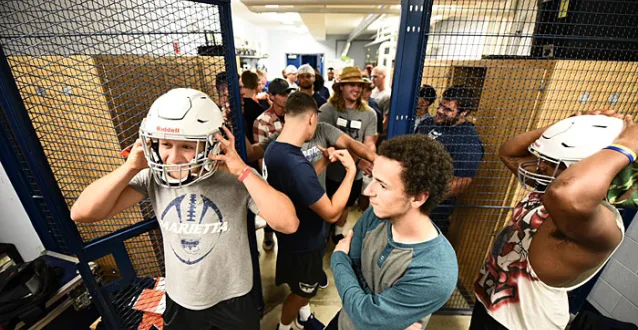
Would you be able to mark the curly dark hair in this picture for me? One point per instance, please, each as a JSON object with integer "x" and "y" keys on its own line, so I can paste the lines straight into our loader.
{"x": 427, "y": 166}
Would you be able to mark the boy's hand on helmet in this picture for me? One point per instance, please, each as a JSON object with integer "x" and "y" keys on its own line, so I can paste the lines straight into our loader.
{"x": 608, "y": 113}
{"x": 136, "y": 159}
{"x": 230, "y": 156}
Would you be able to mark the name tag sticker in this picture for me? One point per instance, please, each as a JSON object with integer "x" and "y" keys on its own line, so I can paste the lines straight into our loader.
{"x": 277, "y": 125}
{"x": 355, "y": 124}
{"x": 342, "y": 122}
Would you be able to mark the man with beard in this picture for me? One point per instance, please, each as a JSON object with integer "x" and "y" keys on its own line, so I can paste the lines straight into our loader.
{"x": 347, "y": 111}
{"x": 306, "y": 79}
{"x": 459, "y": 136}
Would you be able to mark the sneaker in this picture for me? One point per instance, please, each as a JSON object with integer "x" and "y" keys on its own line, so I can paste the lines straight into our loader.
{"x": 269, "y": 242}
{"x": 310, "y": 324}
{"x": 324, "y": 281}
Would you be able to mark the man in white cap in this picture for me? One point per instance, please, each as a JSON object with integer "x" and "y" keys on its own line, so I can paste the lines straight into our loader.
{"x": 291, "y": 75}
{"x": 306, "y": 77}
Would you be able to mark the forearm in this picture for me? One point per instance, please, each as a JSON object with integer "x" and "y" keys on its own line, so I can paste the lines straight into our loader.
{"x": 340, "y": 197}
{"x": 580, "y": 188}
{"x": 275, "y": 207}
{"x": 458, "y": 186}
{"x": 321, "y": 165}
{"x": 517, "y": 146}
{"x": 99, "y": 198}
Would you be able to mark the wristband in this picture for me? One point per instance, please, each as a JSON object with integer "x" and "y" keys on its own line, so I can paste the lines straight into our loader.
{"x": 623, "y": 150}
{"x": 244, "y": 174}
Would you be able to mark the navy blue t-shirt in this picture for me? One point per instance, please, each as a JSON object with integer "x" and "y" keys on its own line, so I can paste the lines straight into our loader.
{"x": 319, "y": 99}
{"x": 287, "y": 170}
{"x": 465, "y": 146}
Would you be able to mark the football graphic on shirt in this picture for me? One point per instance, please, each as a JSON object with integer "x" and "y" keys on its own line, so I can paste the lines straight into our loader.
{"x": 192, "y": 224}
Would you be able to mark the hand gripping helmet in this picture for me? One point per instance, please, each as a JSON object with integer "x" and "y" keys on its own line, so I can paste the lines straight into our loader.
{"x": 182, "y": 114}
{"x": 568, "y": 142}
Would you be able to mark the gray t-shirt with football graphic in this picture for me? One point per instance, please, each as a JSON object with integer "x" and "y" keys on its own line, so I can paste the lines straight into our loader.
{"x": 357, "y": 124}
{"x": 204, "y": 229}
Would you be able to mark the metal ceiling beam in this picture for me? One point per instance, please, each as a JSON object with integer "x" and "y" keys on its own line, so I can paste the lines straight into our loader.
{"x": 324, "y": 10}
{"x": 320, "y": 2}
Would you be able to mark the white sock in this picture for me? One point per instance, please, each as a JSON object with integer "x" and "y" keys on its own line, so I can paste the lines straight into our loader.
{"x": 338, "y": 230}
{"x": 284, "y": 327}
{"x": 304, "y": 312}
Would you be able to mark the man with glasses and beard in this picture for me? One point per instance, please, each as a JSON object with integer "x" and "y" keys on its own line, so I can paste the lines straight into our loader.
{"x": 451, "y": 127}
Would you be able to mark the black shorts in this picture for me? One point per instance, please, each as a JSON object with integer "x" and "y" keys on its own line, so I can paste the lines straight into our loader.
{"x": 332, "y": 186}
{"x": 302, "y": 271}
{"x": 481, "y": 320}
{"x": 235, "y": 313}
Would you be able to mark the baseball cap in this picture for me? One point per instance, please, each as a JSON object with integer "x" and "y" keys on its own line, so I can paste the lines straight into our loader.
{"x": 306, "y": 68}
{"x": 291, "y": 69}
{"x": 279, "y": 86}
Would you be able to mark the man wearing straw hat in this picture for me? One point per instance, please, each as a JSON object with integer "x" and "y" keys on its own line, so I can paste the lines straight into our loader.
{"x": 347, "y": 111}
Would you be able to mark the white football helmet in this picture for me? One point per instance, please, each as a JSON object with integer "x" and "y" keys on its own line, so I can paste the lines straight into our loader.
{"x": 568, "y": 142}
{"x": 187, "y": 115}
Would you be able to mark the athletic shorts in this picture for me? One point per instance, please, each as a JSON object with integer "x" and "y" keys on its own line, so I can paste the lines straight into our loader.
{"x": 302, "y": 271}
{"x": 332, "y": 186}
{"x": 239, "y": 313}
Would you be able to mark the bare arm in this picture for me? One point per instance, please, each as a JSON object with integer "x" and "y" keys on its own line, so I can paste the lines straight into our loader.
{"x": 458, "y": 186}
{"x": 573, "y": 199}
{"x": 514, "y": 151}
{"x": 111, "y": 194}
{"x": 330, "y": 209}
{"x": 321, "y": 165}
{"x": 275, "y": 207}
{"x": 364, "y": 150}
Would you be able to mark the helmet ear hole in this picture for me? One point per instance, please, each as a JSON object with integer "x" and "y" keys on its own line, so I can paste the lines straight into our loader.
{"x": 155, "y": 151}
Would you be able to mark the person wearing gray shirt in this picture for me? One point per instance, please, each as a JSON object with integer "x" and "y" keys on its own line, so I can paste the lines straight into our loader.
{"x": 200, "y": 190}
{"x": 347, "y": 111}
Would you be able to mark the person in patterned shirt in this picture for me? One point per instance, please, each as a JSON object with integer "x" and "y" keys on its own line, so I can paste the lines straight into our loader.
{"x": 271, "y": 121}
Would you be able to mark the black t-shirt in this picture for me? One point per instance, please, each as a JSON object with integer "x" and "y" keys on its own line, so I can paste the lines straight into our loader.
{"x": 319, "y": 99}
{"x": 252, "y": 110}
{"x": 287, "y": 170}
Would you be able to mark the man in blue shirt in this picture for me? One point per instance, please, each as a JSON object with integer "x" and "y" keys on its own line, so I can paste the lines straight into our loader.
{"x": 396, "y": 268}
{"x": 459, "y": 137}
{"x": 300, "y": 256}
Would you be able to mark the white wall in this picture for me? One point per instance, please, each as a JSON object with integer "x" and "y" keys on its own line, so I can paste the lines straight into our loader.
{"x": 282, "y": 42}
{"x": 15, "y": 226}
{"x": 457, "y": 38}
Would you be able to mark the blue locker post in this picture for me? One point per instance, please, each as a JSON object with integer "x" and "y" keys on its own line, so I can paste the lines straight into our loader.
{"x": 240, "y": 142}
{"x": 408, "y": 68}
{"x": 20, "y": 123}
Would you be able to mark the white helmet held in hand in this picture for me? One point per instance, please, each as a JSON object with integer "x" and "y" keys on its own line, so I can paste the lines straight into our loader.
{"x": 182, "y": 114}
{"x": 568, "y": 142}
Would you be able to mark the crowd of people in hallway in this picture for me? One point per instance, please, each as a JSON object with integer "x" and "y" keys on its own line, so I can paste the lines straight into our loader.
{"x": 316, "y": 147}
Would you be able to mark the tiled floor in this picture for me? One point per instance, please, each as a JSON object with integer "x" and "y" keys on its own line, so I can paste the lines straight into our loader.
{"x": 327, "y": 303}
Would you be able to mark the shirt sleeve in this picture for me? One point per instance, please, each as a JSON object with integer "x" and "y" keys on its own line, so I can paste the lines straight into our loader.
{"x": 371, "y": 125}
{"x": 141, "y": 181}
{"x": 307, "y": 184}
{"x": 326, "y": 114}
{"x": 260, "y": 131}
{"x": 410, "y": 299}
{"x": 332, "y": 134}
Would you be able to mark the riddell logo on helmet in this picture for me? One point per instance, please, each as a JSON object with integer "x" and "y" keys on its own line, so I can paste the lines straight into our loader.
{"x": 167, "y": 129}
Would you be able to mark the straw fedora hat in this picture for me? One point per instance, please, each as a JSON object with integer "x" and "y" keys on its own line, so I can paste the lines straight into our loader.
{"x": 350, "y": 74}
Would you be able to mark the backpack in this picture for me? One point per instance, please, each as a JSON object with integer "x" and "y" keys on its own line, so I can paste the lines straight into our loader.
{"x": 24, "y": 290}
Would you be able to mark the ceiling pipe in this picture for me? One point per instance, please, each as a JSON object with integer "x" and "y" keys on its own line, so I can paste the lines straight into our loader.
{"x": 324, "y": 10}
{"x": 365, "y": 23}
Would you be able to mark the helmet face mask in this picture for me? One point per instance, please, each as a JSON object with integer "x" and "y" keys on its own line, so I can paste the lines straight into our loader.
{"x": 566, "y": 143}
{"x": 184, "y": 115}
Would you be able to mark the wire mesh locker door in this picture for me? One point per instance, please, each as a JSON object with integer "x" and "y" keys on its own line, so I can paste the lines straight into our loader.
{"x": 87, "y": 73}
{"x": 516, "y": 66}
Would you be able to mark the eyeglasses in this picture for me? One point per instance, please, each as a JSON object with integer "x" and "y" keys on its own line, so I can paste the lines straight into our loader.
{"x": 444, "y": 108}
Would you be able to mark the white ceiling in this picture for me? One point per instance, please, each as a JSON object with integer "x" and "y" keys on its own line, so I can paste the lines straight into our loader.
{"x": 317, "y": 24}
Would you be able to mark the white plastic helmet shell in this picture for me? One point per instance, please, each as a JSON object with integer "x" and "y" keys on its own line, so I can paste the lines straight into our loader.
{"x": 568, "y": 142}
{"x": 187, "y": 115}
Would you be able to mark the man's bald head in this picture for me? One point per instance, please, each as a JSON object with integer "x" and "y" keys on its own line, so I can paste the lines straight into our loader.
{"x": 379, "y": 74}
